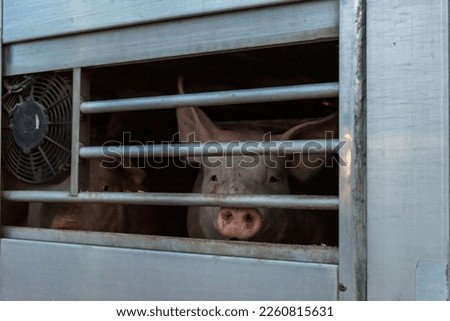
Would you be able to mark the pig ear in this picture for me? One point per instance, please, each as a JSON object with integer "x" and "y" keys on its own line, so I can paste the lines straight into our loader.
{"x": 305, "y": 166}
{"x": 133, "y": 179}
{"x": 195, "y": 126}
{"x": 313, "y": 129}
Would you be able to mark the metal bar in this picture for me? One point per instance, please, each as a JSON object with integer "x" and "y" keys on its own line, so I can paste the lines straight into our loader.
{"x": 213, "y": 149}
{"x": 76, "y": 101}
{"x": 34, "y": 20}
{"x": 287, "y": 252}
{"x": 446, "y": 101}
{"x": 179, "y": 199}
{"x": 185, "y": 37}
{"x": 352, "y": 127}
{"x": 243, "y": 96}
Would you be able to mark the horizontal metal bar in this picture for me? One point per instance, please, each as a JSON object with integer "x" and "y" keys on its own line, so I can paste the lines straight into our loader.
{"x": 243, "y": 96}
{"x": 179, "y": 199}
{"x": 30, "y": 20}
{"x": 286, "y": 252}
{"x": 288, "y": 23}
{"x": 212, "y": 149}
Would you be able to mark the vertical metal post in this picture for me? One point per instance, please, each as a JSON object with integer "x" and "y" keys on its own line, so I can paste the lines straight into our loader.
{"x": 352, "y": 123}
{"x": 446, "y": 102}
{"x": 447, "y": 71}
{"x": 76, "y": 102}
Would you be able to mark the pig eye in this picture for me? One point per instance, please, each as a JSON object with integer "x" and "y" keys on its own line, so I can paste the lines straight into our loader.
{"x": 213, "y": 178}
{"x": 105, "y": 188}
{"x": 273, "y": 179}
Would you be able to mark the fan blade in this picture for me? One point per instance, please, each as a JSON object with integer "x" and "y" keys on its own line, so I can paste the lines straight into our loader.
{"x": 46, "y": 160}
{"x": 57, "y": 102}
{"x": 46, "y": 90}
{"x": 57, "y": 144}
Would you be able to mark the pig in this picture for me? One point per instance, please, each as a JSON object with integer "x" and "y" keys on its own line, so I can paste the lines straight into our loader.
{"x": 100, "y": 216}
{"x": 254, "y": 174}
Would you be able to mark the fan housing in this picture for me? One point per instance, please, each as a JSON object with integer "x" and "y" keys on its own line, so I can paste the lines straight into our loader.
{"x": 36, "y": 128}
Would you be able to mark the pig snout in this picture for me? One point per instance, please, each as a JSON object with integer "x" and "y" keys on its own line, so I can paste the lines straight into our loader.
{"x": 238, "y": 223}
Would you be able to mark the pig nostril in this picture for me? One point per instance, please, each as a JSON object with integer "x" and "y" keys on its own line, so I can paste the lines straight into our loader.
{"x": 248, "y": 218}
{"x": 228, "y": 216}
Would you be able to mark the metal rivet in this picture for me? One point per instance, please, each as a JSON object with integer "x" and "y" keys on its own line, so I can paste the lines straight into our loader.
{"x": 342, "y": 287}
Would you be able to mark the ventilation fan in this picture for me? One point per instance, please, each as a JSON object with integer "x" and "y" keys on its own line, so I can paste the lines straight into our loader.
{"x": 36, "y": 128}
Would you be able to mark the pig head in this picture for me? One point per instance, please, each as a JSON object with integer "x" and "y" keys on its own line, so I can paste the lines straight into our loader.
{"x": 96, "y": 216}
{"x": 253, "y": 174}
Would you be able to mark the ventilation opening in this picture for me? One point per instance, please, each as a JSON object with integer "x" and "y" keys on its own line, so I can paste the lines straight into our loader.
{"x": 274, "y": 67}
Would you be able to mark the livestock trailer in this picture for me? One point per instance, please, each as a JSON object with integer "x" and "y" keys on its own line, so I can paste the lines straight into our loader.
{"x": 73, "y": 65}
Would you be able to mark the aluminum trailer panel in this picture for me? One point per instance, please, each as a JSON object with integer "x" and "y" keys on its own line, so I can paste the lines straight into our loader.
{"x": 59, "y": 271}
{"x": 407, "y": 148}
